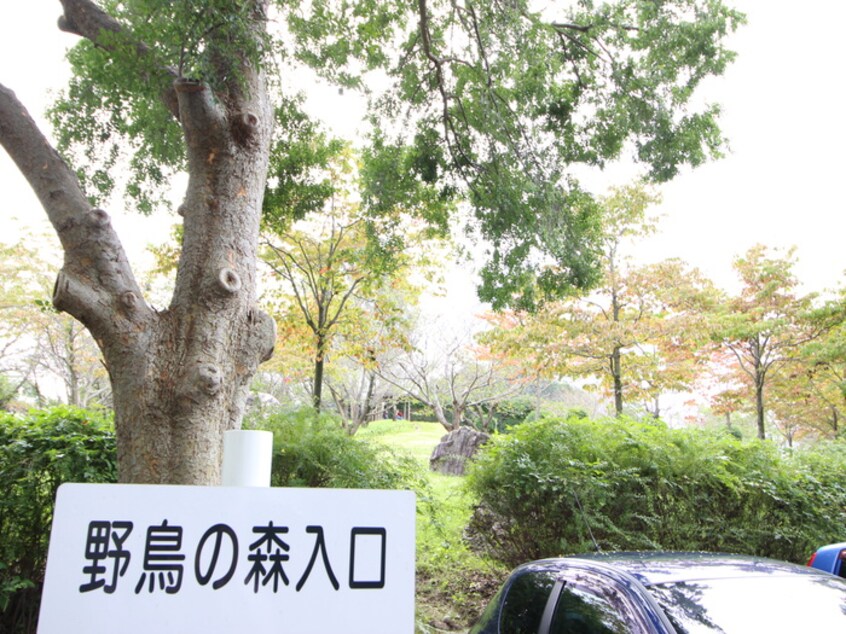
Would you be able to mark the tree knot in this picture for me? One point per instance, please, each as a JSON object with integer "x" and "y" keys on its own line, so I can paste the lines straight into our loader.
{"x": 243, "y": 128}
{"x": 208, "y": 378}
{"x": 129, "y": 300}
{"x": 98, "y": 218}
{"x": 229, "y": 281}
{"x": 262, "y": 333}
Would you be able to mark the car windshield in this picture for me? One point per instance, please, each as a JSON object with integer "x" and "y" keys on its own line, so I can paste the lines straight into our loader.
{"x": 767, "y": 603}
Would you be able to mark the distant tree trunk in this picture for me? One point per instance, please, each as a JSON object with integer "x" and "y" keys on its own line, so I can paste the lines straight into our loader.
{"x": 617, "y": 377}
{"x": 440, "y": 415}
{"x": 319, "y": 362}
{"x": 356, "y": 411}
{"x": 486, "y": 416}
{"x": 457, "y": 415}
{"x": 759, "y": 406}
{"x": 73, "y": 376}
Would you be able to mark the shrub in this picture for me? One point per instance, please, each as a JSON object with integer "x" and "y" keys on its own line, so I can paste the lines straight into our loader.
{"x": 38, "y": 452}
{"x": 313, "y": 450}
{"x": 560, "y": 486}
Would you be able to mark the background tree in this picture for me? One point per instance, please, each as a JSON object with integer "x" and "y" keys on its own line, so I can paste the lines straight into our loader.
{"x": 671, "y": 335}
{"x": 796, "y": 409}
{"x": 766, "y": 324}
{"x": 335, "y": 261}
{"x": 502, "y": 109}
{"x": 452, "y": 378}
{"x": 44, "y": 350}
{"x": 825, "y": 358}
{"x": 67, "y": 352}
{"x": 379, "y": 331}
{"x": 724, "y": 386}
{"x": 636, "y": 332}
{"x": 20, "y": 290}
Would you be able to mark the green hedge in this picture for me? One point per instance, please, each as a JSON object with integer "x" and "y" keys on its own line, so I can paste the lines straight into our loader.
{"x": 554, "y": 486}
{"x": 313, "y": 450}
{"x": 38, "y": 452}
{"x": 43, "y": 449}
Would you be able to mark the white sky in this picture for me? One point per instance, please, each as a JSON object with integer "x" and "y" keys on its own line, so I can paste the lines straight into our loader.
{"x": 781, "y": 184}
{"x": 783, "y": 115}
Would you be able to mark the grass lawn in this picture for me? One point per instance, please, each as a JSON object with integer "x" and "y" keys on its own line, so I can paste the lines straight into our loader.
{"x": 453, "y": 583}
{"x": 415, "y": 439}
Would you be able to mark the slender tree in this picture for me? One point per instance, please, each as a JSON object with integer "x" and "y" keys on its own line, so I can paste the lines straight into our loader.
{"x": 766, "y": 324}
{"x": 333, "y": 267}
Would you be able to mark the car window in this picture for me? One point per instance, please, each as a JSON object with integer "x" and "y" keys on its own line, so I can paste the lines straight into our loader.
{"x": 580, "y": 611}
{"x": 525, "y": 602}
{"x": 799, "y": 603}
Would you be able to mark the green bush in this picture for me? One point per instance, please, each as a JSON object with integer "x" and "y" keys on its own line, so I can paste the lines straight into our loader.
{"x": 312, "y": 450}
{"x": 557, "y": 486}
{"x": 38, "y": 452}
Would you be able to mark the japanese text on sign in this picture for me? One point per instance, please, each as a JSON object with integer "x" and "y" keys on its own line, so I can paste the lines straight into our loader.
{"x": 163, "y": 560}
{"x": 173, "y": 559}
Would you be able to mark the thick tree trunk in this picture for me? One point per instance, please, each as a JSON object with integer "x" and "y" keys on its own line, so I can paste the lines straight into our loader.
{"x": 179, "y": 377}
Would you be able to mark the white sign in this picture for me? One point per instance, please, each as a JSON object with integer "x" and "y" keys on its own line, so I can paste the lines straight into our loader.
{"x": 178, "y": 559}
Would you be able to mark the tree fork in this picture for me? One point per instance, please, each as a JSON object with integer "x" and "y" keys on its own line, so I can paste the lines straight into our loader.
{"x": 178, "y": 376}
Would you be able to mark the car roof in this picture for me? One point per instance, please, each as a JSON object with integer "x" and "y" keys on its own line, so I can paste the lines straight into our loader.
{"x": 832, "y": 547}
{"x": 655, "y": 568}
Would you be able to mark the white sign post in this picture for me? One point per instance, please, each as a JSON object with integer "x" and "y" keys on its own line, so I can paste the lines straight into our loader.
{"x": 247, "y": 458}
{"x": 175, "y": 559}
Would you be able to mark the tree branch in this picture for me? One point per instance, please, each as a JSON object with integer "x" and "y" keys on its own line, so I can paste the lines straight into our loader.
{"x": 96, "y": 280}
{"x": 86, "y": 19}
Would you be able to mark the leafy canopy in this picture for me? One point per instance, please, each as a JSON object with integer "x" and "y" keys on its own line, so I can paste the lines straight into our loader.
{"x": 493, "y": 102}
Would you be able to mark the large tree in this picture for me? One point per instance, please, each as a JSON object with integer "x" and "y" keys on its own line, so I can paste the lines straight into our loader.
{"x": 493, "y": 100}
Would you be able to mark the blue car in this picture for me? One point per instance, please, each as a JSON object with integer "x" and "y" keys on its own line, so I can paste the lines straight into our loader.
{"x": 831, "y": 558}
{"x": 665, "y": 593}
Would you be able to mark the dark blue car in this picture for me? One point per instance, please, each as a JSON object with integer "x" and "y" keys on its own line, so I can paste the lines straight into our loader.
{"x": 831, "y": 558}
{"x": 665, "y": 593}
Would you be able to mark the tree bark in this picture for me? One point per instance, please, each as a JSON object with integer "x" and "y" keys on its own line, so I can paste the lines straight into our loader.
{"x": 440, "y": 415}
{"x": 317, "y": 386}
{"x": 617, "y": 377}
{"x": 759, "y": 406}
{"x": 178, "y": 376}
